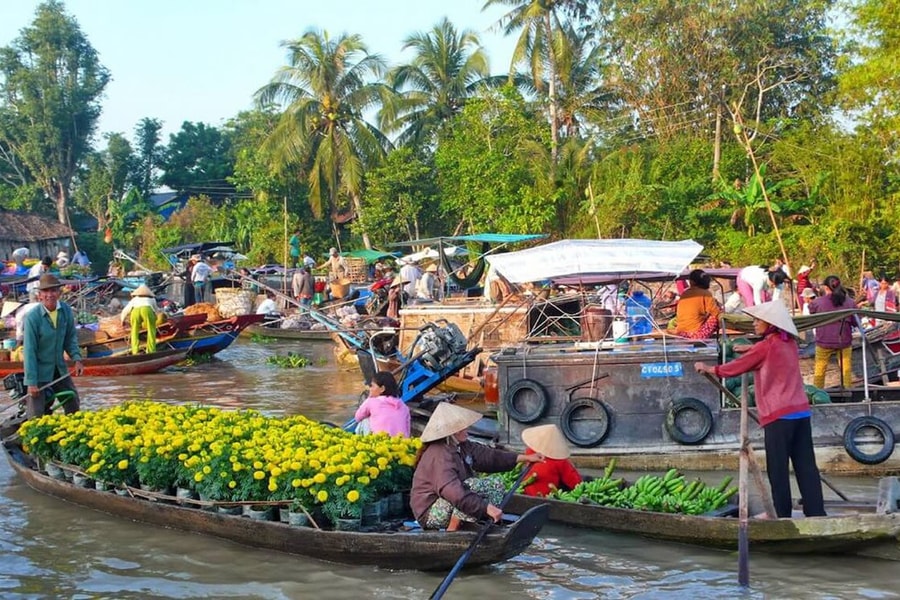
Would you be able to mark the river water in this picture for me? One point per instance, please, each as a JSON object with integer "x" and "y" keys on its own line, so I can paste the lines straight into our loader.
{"x": 51, "y": 549}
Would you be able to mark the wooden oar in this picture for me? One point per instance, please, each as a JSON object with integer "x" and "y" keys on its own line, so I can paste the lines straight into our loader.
{"x": 753, "y": 416}
{"x": 40, "y": 389}
{"x": 445, "y": 584}
{"x": 743, "y": 510}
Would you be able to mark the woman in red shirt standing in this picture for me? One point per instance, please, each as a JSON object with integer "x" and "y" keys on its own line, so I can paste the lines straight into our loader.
{"x": 782, "y": 405}
{"x": 556, "y": 472}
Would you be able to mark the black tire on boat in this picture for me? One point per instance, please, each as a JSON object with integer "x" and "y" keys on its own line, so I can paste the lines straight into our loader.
{"x": 694, "y": 409}
{"x": 856, "y": 453}
{"x": 528, "y": 392}
{"x": 572, "y": 423}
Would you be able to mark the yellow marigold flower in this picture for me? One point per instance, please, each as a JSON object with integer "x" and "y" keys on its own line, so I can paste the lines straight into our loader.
{"x": 232, "y": 484}
{"x": 352, "y": 495}
{"x": 320, "y": 478}
{"x": 322, "y": 496}
{"x": 257, "y": 465}
{"x": 123, "y": 464}
{"x": 207, "y": 469}
{"x": 198, "y": 476}
{"x": 295, "y": 483}
{"x": 273, "y": 486}
{"x": 275, "y": 471}
{"x": 374, "y": 472}
{"x": 259, "y": 475}
{"x": 237, "y": 467}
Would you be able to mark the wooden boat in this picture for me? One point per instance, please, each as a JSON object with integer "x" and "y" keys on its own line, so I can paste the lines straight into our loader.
{"x": 114, "y": 366}
{"x": 849, "y": 528}
{"x": 416, "y": 549}
{"x": 306, "y": 335}
{"x": 205, "y": 337}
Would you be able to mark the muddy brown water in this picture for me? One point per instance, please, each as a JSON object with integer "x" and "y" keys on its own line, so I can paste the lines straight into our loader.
{"x": 52, "y": 549}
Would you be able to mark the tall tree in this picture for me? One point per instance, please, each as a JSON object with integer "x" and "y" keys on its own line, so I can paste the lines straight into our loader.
{"x": 52, "y": 81}
{"x": 537, "y": 21}
{"x": 198, "y": 160}
{"x": 445, "y": 70}
{"x": 149, "y": 153}
{"x": 102, "y": 184}
{"x": 326, "y": 88}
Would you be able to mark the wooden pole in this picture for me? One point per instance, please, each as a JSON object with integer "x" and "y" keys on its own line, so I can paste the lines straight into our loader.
{"x": 743, "y": 523}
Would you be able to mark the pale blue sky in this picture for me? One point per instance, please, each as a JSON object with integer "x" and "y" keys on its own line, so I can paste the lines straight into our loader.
{"x": 202, "y": 60}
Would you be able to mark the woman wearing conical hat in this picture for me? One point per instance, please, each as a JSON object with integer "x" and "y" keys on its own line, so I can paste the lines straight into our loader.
{"x": 556, "y": 472}
{"x": 782, "y": 405}
{"x": 143, "y": 311}
{"x": 444, "y": 483}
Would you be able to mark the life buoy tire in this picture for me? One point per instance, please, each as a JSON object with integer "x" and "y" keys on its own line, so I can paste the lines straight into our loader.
{"x": 569, "y": 422}
{"x": 526, "y": 389}
{"x": 850, "y": 445}
{"x": 702, "y": 412}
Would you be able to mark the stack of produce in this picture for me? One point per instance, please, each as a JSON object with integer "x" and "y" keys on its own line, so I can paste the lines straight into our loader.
{"x": 232, "y": 302}
{"x": 227, "y": 456}
{"x": 212, "y": 313}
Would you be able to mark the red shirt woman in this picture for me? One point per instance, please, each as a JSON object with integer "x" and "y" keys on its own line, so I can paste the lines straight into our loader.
{"x": 556, "y": 472}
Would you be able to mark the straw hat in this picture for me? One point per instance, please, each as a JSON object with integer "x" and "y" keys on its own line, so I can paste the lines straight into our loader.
{"x": 48, "y": 282}
{"x": 142, "y": 290}
{"x": 547, "y": 440}
{"x": 804, "y": 269}
{"x": 448, "y": 419}
{"x": 9, "y": 308}
{"x": 808, "y": 293}
{"x": 432, "y": 268}
{"x": 774, "y": 313}
{"x": 398, "y": 280}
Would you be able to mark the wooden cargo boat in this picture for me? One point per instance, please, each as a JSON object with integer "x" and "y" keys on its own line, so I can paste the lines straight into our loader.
{"x": 409, "y": 550}
{"x": 305, "y": 335}
{"x": 641, "y": 401}
{"x": 114, "y": 366}
{"x": 849, "y": 528}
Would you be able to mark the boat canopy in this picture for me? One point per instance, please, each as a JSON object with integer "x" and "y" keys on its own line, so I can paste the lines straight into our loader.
{"x": 491, "y": 238}
{"x": 186, "y": 250}
{"x": 369, "y": 256}
{"x": 587, "y": 257}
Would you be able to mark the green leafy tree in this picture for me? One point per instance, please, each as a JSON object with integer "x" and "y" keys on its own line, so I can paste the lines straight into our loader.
{"x": 149, "y": 154}
{"x": 198, "y": 160}
{"x": 325, "y": 89}
{"x": 52, "y": 81}
{"x": 401, "y": 198}
{"x": 484, "y": 177}
{"x": 446, "y": 68}
{"x": 104, "y": 179}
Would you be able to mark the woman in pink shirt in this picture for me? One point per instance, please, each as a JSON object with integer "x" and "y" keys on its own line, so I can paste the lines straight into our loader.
{"x": 783, "y": 407}
{"x": 385, "y": 411}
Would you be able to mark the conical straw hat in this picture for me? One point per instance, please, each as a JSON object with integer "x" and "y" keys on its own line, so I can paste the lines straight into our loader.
{"x": 774, "y": 313}
{"x": 547, "y": 440}
{"x": 448, "y": 419}
{"x": 142, "y": 290}
{"x": 9, "y": 307}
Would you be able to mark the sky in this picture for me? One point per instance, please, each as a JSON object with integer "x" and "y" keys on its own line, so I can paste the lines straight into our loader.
{"x": 202, "y": 60}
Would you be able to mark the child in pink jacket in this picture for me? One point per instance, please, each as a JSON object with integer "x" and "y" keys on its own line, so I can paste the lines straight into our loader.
{"x": 385, "y": 411}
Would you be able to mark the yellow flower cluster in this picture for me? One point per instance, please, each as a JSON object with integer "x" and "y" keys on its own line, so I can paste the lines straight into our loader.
{"x": 226, "y": 455}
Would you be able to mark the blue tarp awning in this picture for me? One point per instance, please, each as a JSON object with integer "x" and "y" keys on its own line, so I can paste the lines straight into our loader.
{"x": 491, "y": 238}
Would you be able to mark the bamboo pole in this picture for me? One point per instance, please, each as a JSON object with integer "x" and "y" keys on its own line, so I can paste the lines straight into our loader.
{"x": 743, "y": 524}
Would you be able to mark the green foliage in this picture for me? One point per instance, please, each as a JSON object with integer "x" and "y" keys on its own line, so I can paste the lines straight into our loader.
{"x": 291, "y": 360}
{"x": 483, "y": 166}
{"x": 198, "y": 160}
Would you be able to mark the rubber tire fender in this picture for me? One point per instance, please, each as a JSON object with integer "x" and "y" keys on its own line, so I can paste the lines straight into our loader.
{"x": 681, "y": 405}
{"x": 509, "y": 401}
{"x": 854, "y": 451}
{"x": 568, "y": 413}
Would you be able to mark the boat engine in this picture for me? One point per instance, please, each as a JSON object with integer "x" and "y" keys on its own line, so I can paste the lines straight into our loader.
{"x": 15, "y": 383}
{"x": 438, "y": 346}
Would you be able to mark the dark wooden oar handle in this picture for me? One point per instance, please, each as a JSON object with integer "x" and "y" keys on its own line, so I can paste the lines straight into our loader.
{"x": 445, "y": 584}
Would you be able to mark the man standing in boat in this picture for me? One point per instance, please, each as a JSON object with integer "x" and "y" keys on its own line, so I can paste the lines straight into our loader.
{"x": 49, "y": 331}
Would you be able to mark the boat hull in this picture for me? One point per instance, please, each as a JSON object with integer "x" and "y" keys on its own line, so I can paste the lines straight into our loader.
{"x": 851, "y": 531}
{"x": 306, "y": 335}
{"x": 420, "y": 550}
{"x": 113, "y": 366}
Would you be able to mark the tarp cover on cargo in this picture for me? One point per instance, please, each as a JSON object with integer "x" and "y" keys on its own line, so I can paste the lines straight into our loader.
{"x": 572, "y": 257}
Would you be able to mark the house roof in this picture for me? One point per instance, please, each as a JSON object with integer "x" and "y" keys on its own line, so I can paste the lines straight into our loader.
{"x": 29, "y": 227}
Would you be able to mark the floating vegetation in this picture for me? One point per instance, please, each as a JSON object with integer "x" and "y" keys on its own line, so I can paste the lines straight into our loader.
{"x": 291, "y": 360}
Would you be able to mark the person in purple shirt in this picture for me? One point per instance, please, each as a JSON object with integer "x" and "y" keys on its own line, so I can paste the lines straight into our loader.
{"x": 836, "y": 337}
{"x": 383, "y": 411}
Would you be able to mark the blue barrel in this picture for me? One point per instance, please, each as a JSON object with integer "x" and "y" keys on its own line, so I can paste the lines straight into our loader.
{"x": 637, "y": 309}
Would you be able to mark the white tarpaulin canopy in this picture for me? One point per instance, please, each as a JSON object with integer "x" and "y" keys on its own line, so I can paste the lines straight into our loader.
{"x": 449, "y": 251}
{"x": 580, "y": 257}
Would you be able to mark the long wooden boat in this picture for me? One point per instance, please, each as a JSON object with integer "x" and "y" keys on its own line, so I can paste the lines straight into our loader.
{"x": 204, "y": 338}
{"x": 849, "y": 528}
{"x": 412, "y": 550}
{"x": 114, "y": 366}
{"x": 306, "y": 335}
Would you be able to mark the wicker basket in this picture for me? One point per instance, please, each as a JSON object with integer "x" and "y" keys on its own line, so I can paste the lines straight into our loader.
{"x": 340, "y": 288}
{"x": 232, "y": 302}
{"x": 357, "y": 272}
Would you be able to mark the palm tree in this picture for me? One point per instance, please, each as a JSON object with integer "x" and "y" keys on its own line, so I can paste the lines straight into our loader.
{"x": 447, "y": 67}
{"x": 326, "y": 87}
{"x": 580, "y": 97}
{"x": 537, "y": 20}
